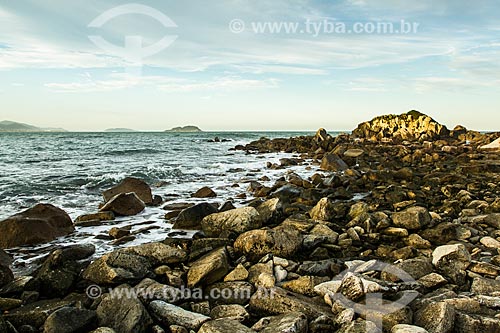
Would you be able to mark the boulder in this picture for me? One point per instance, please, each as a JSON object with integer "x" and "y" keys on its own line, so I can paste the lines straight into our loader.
{"x": 277, "y": 301}
{"x": 332, "y": 162}
{"x": 124, "y": 204}
{"x": 61, "y": 269}
{"x": 190, "y": 218}
{"x": 436, "y": 317}
{"x": 492, "y": 146}
{"x": 452, "y": 260}
{"x": 70, "y": 320}
{"x": 39, "y": 224}
{"x": 169, "y": 314}
{"x": 35, "y": 314}
{"x": 5, "y": 259}
{"x": 158, "y": 253}
{"x": 484, "y": 286}
{"x": 236, "y": 220}
{"x": 130, "y": 185}
{"x": 224, "y": 326}
{"x": 476, "y": 323}
{"x": 412, "y": 218}
{"x": 231, "y": 311}
{"x": 280, "y": 241}
{"x": 204, "y": 192}
{"x": 293, "y": 322}
{"x": 117, "y": 267}
{"x": 123, "y": 314}
{"x": 324, "y": 210}
{"x": 208, "y": 269}
{"x": 6, "y": 275}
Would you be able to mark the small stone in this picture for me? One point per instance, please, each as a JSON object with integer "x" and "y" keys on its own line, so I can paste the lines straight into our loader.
{"x": 240, "y": 273}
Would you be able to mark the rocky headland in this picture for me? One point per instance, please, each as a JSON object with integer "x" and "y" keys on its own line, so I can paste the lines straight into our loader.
{"x": 397, "y": 228}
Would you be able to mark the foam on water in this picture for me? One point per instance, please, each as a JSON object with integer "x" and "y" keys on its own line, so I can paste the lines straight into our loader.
{"x": 70, "y": 170}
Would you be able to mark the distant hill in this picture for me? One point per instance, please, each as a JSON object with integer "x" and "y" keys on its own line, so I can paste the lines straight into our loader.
{"x": 185, "y": 129}
{"x": 119, "y": 130}
{"x": 12, "y": 126}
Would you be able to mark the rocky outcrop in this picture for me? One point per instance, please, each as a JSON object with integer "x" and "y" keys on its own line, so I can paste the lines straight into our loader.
{"x": 130, "y": 185}
{"x": 410, "y": 126}
{"x": 40, "y": 224}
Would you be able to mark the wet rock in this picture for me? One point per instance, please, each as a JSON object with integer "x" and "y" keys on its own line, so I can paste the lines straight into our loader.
{"x": 61, "y": 269}
{"x": 70, "y": 320}
{"x": 130, "y": 185}
{"x": 452, "y": 260}
{"x": 436, "y": 317}
{"x": 224, "y": 326}
{"x": 118, "y": 233}
{"x": 280, "y": 241}
{"x": 6, "y": 275}
{"x": 278, "y": 301}
{"x": 232, "y": 311}
{"x": 123, "y": 314}
{"x": 236, "y": 220}
{"x": 97, "y": 217}
{"x": 412, "y": 218}
{"x": 191, "y": 217}
{"x": 124, "y": 204}
{"x": 204, "y": 192}
{"x": 332, "y": 162}
{"x": 39, "y": 224}
{"x": 34, "y": 314}
{"x": 5, "y": 259}
{"x": 169, "y": 314}
{"x": 117, "y": 267}
{"x": 209, "y": 268}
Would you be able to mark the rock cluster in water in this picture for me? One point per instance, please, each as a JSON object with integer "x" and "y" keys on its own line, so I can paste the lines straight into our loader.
{"x": 404, "y": 209}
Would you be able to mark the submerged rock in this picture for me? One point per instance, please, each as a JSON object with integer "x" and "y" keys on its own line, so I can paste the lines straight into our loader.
{"x": 130, "y": 185}
{"x": 39, "y": 224}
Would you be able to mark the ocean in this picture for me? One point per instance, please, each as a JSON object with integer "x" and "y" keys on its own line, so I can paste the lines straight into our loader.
{"x": 70, "y": 171}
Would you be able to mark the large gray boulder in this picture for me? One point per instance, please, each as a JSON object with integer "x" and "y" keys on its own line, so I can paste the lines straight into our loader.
{"x": 39, "y": 224}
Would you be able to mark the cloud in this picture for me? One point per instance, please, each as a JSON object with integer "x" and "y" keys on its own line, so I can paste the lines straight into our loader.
{"x": 119, "y": 81}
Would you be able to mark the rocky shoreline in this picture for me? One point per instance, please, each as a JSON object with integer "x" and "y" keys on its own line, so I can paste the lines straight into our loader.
{"x": 403, "y": 208}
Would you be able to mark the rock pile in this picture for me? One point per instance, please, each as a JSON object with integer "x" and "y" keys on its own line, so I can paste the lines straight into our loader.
{"x": 412, "y": 223}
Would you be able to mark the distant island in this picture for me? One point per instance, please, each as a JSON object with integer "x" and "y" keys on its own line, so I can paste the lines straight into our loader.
{"x": 12, "y": 126}
{"x": 185, "y": 129}
{"x": 119, "y": 130}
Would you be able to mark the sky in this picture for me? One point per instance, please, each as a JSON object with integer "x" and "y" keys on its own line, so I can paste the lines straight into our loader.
{"x": 88, "y": 65}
